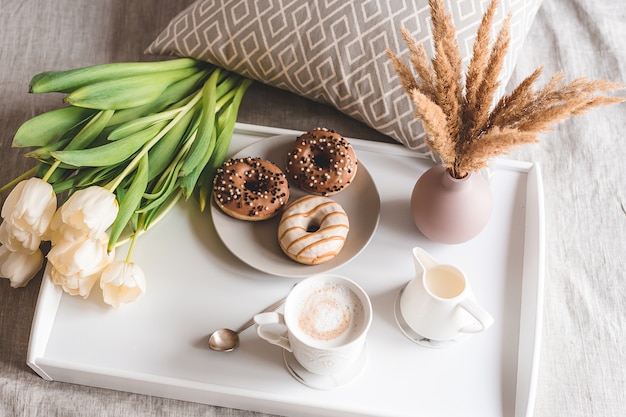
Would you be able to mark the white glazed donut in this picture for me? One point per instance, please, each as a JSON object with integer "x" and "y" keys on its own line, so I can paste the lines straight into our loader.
{"x": 313, "y": 229}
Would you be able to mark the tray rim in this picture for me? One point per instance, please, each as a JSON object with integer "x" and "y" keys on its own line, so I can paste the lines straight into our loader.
{"x": 531, "y": 317}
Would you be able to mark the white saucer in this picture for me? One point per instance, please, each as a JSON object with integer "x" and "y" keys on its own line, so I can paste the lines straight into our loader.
{"x": 326, "y": 382}
{"x": 416, "y": 337}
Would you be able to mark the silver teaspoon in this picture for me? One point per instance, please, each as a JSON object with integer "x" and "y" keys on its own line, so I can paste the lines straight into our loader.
{"x": 226, "y": 340}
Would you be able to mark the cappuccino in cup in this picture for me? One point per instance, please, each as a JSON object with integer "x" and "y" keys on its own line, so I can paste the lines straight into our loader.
{"x": 330, "y": 314}
{"x": 324, "y": 325}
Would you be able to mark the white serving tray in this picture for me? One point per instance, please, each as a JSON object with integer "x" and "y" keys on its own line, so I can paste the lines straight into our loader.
{"x": 157, "y": 345}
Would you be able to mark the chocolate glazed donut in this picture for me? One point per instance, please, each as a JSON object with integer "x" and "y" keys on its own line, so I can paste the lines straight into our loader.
{"x": 321, "y": 162}
{"x": 250, "y": 189}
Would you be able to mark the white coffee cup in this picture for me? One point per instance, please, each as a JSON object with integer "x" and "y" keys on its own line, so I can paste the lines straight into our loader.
{"x": 325, "y": 323}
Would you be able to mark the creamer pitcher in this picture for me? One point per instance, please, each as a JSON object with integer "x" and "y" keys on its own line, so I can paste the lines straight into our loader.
{"x": 438, "y": 307}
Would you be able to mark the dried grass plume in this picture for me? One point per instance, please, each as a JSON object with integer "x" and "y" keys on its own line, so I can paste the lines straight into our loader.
{"x": 462, "y": 126}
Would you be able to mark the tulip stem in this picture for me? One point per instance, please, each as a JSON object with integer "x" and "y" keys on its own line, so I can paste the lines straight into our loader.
{"x": 25, "y": 175}
{"x": 133, "y": 239}
{"x": 164, "y": 209}
{"x": 111, "y": 186}
{"x": 51, "y": 170}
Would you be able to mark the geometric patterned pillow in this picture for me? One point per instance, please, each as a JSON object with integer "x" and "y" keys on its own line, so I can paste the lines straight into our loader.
{"x": 332, "y": 51}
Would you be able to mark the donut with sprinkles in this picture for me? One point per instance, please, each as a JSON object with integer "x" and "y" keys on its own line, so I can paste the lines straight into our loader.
{"x": 321, "y": 162}
{"x": 250, "y": 188}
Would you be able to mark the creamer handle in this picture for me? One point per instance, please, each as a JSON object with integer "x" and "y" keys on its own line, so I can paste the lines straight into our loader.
{"x": 485, "y": 320}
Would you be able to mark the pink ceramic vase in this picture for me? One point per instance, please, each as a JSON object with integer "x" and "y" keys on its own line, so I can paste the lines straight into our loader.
{"x": 451, "y": 210}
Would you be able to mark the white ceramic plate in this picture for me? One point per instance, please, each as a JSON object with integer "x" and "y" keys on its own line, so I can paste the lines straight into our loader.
{"x": 256, "y": 243}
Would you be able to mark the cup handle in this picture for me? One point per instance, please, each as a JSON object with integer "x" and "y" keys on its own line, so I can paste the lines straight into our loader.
{"x": 480, "y": 314}
{"x": 272, "y": 328}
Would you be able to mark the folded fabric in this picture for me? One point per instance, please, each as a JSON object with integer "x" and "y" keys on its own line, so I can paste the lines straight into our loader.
{"x": 332, "y": 51}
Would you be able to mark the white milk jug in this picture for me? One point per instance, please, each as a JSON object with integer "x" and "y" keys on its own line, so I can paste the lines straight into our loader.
{"x": 438, "y": 304}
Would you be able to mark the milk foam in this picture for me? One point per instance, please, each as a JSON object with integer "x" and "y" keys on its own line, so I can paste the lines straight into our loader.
{"x": 330, "y": 313}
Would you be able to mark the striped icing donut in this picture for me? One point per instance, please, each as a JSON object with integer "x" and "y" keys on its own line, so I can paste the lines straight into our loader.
{"x": 313, "y": 229}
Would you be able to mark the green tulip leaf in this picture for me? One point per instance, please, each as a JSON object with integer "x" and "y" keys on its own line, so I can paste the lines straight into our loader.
{"x": 111, "y": 153}
{"x": 130, "y": 202}
{"x": 47, "y": 127}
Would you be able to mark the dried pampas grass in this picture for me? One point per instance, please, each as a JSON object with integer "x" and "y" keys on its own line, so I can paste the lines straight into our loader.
{"x": 460, "y": 123}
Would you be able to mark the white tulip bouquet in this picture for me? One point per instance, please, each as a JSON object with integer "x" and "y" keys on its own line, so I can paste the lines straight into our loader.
{"x": 132, "y": 140}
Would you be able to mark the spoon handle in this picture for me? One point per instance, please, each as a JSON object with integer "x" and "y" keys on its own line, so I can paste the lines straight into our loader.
{"x": 272, "y": 307}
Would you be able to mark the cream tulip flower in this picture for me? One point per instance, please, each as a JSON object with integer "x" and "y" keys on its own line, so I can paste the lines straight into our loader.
{"x": 19, "y": 266}
{"x": 122, "y": 282}
{"x": 18, "y": 240}
{"x": 74, "y": 284}
{"x": 58, "y": 230}
{"x": 77, "y": 264}
{"x": 91, "y": 210}
{"x": 26, "y": 214}
{"x": 30, "y": 206}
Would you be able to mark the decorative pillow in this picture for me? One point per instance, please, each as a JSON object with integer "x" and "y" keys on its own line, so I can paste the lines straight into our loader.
{"x": 332, "y": 51}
